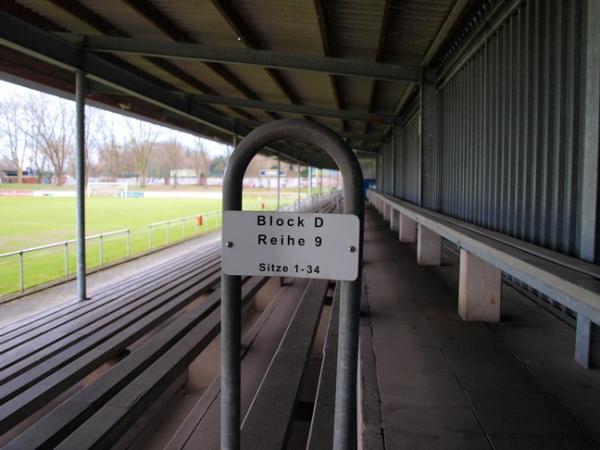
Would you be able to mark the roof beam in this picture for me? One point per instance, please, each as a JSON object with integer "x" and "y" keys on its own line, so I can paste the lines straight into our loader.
{"x": 263, "y": 58}
{"x": 235, "y": 21}
{"x": 385, "y": 19}
{"x": 360, "y": 116}
{"x": 30, "y": 40}
{"x": 325, "y": 41}
{"x": 161, "y": 21}
{"x": 98, "y": 22}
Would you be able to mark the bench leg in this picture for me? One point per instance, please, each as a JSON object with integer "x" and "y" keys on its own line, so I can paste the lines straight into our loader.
{"x": 407, "y": 229}
{"x": 479, "y": 289}
{"x": 429, "y": 247}
{"x": 583, "y": 341}
{"x": 394, "y": 220}
{"x": 386, "y": 211}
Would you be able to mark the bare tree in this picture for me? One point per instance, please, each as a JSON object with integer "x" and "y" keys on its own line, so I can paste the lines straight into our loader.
{"x": 174, "y": 156}
{"x": 110, "y": 152}
{"x": 13, "y": 121}
{"x": 200, "y": 162}
{"x": 142, "y": 140}
{"x": 52, "y": 126}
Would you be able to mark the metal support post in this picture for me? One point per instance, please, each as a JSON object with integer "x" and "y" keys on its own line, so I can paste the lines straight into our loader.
{"x": 80, "y": 188}
{"x": 67, "y": 259}
{"x": 299, "y": 184}
{"x": 321, "y": 182}
{"x": 278, "y": 182}
{"x": 309, "y": 181}
{"x": 21, "y": 272}
{"x": 347, "y": 360}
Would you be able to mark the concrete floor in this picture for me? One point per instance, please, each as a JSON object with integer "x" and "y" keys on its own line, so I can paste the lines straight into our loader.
{"x": 450, "y": 384}
{"x": 36, "y": 302}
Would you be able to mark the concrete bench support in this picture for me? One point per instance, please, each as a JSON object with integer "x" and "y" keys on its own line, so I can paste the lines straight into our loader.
{"x": 429, "y": 247}
{"x": 394, "y": 217}
{"x": 479, "y": 289}
{"x": 584, "y": 342}
{"x": 407, "y": 229}
{"x": 386, "y": 211}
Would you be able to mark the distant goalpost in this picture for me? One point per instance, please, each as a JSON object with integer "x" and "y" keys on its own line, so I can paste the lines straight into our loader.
{"x": 108, "y": 189}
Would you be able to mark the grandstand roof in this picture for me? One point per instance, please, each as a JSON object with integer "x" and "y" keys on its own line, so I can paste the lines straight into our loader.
{"x": 216, "y": 68}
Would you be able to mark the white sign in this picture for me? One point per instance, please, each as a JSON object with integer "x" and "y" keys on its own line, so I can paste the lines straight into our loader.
{"x": 288, "y": 244}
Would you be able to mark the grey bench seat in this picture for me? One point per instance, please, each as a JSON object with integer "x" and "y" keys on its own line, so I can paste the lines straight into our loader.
{"x": 39, "y": 373}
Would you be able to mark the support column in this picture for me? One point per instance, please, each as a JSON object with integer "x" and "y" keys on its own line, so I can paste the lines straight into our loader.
{"x": 299, "y": 184}
{"x": 583, "y": 341}
{"x": 321, "y": 182}
{"x": 479, "y": 289}
{"x": 429, "y": 247}
{"x": 309, "y": 181}
{"x": 386, "y": 211}
{"x": 278, "y": 182}
{"x": 407, "y": 229}
{"x": 80, "y": 184}
{"x": 394, "y": 217}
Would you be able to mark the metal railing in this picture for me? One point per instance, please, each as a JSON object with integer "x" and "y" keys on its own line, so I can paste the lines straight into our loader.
{"x": 198, "y": 228}
{"x": 65, "y": 244}
{"x": 175, "y": 230}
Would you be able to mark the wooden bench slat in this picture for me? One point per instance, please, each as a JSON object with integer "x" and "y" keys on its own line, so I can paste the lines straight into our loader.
{"x": 113, "y": 420}
{"x": 266, "y": 424}
{"x": 320, "y": 436}
{"x": 46, "y": 381}
{"x": 258, "y": 347}
{"x": 47, "y": 314}
{"x": 87, "y": 357}
{"x": 26, "y": 358}
{"x": 82, "y": 308}
{"x": 55, "y": 426}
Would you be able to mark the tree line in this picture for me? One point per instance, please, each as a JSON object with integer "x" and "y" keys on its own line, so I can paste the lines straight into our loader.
{"x": 38, "y": 131}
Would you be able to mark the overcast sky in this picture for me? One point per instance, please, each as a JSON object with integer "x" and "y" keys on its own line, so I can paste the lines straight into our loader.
{"x": 119, "y": 122}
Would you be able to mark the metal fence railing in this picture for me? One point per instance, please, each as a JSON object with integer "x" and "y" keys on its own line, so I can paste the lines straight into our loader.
{"x": 200, "y": 223}
{"x": 26, "y": 268}
{"x": 67, "y": 247}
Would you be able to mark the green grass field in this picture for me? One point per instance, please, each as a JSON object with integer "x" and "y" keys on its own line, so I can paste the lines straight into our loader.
{"x": 27, "y": 222}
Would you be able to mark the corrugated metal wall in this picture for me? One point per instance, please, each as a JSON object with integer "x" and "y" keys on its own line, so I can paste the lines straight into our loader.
{"x": 508, "y": 124}
{"x": 407, "y": 161}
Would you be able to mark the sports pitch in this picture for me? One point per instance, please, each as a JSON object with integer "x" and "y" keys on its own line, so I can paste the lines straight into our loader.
{"x": 27, "y": 222}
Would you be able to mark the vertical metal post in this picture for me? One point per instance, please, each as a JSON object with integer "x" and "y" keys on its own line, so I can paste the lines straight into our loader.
{"x": 347, "y": 362}
{"x": 278, "y": 182}
{"x": 80, "y": 188}
{"x": 321, "y": 182}
{"x": 21, "y": 272}
{"x": 66, "y": 260}
{"x": 101, "y": 250}
{"x": 299, "y": 184}
{"x": 393, "y": 192}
